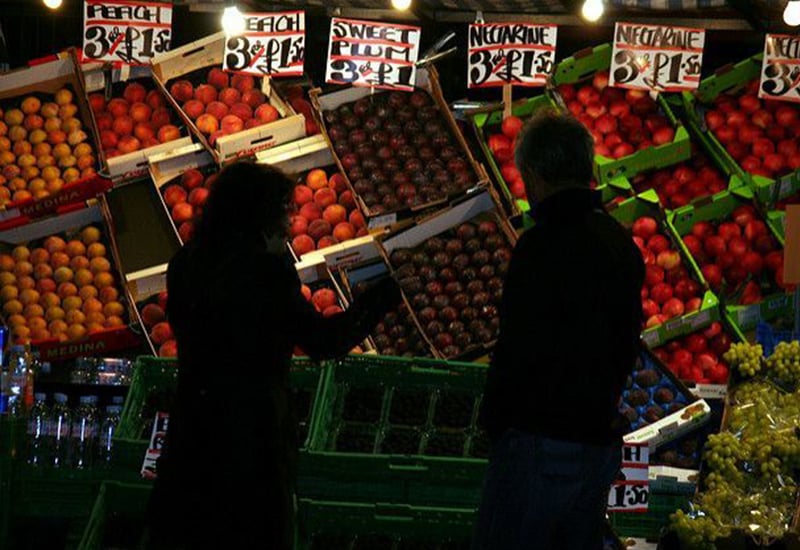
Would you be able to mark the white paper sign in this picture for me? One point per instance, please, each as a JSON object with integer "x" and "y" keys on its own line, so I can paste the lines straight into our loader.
{"x": 656, "y": 57}
{"x": 126, "y": 32}
{"x": 631, "y": 491}
{"x": 372, "y": 54}
{"x": 510, "y": 53}
{"x": 780, "y": 70}
{"x": 156, "y": 443}
{"x": 272, "y": 44}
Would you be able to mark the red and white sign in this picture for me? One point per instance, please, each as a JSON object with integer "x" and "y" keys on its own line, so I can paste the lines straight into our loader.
{"x": 126, "y": 32}
{"x": 273, "y": 44}
{"x": 157, "y": 436}
{"x": 780, "y": 70}
{"x": 631, "y": 491}
{"x": 372, "y": 54}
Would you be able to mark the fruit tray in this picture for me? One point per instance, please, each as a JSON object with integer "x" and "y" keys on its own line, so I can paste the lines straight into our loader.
{"x": 728, "y": 86}
{"x": 650, "y": 524}
{"x": 391, "y": 429}
{"x": 181, "y": 72}
{"x": 587, "y": 70}
{"x": 423, "y": 150}
{"x": 48, "y": 147}
{"x": 757, "y": 294}
{"x": 684, "y": 452}
{"x": 117, "y": 518}
{"x": 667, "y": 312}
{"x": 463, "y": 253}
{"x": 132, "y": 119}
{"x": 60, "y": 286}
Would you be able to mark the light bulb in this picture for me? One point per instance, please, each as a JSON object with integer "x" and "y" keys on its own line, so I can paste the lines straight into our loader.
{"x": 592, "y": 10}
{"x": 401, "y": 5}
{"x": 232, "y": 21}
{"x": 791, "y": 15}
{"x": 53, "y": 4}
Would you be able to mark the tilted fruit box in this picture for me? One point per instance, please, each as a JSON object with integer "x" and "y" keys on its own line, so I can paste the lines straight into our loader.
{"x": 61, "y": 286}
{"x": 450, "y": 268}
{"x": 132, "y": 118}
{"x": 233, "y": 116}
{"x": 49, "y": 157}
{"x": 736, "y": 254}
{"x": 755, "y": 138}
{"x": 401, "y": 153}
{"x": 390, "y": 429}
{"x": 632, "y": 132}
{"x": 673, "y": 294}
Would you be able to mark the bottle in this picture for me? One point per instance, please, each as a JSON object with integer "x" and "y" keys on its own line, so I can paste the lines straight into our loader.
{"x": 84, "y": 432}
{"x": 39, "y": 427}
{"x": 107, "y": 428}
{"x": 18, "y": 365}
{"x": 58, "y": 434}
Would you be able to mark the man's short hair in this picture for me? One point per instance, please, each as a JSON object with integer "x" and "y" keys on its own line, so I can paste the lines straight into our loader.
{"x": 557, "y": 149}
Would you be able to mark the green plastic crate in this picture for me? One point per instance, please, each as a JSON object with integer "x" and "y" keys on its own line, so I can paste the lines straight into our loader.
{"x": 730, "y": 79}
{"x": 366, "y": 447}
{"x": 12, "y": 436}
{"x": 715, "y": 208}
{"x": 649, "y": 525}
{"x": 333, "y": 525}
{"x": 583, "y": 65}
{"x": 117, "y": 518}
{"x": 53, "y": 492}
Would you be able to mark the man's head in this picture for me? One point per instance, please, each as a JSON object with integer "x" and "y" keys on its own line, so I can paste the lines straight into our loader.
{"x": 554, "y": 152}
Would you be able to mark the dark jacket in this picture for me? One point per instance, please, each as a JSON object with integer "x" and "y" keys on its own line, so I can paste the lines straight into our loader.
{"x": 228, "y": 469}
{"x": 570, "y": 322}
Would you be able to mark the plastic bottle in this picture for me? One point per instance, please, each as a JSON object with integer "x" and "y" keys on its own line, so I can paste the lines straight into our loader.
{"x": 18, "y": 379}
{"x": 84, "y": 432}
{"x": 107, "y": 429}
{"x": 39, "y": 426}
{"x": 60, "y": 421}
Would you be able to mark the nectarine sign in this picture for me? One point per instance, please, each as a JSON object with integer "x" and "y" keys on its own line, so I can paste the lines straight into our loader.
{"x": 372, "y": 54}
{"x": 124, "y": 31}
{"x": 656, "y": 57}
{"x": 510, "y": 53}
{"x": 272, "y": 44}
{"x": 780, "y": 70}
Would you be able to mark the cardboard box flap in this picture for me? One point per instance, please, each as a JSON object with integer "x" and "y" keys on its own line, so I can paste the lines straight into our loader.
{"x": 147, "y": 282}
{"x": 50, "y": 226}
{"x": 166, "y": 166}
{"x": 27, "y": 79}
{"x": 298, "y": 156}
{"x": 354, "y": 251}
{"x": 194, "y": 55}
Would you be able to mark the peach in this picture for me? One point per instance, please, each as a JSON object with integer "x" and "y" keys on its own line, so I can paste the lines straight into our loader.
{"x": 26, "y": 159}
{"x": 162, "y": 299}
{"x": 230, "y": 96}
{"x": 29, "y": 296}
{"x": 267, "y": 113}
{"x": 128, "y": 144}
{"x": 253, "y": 98}
{"x": 155, "y": 100}
{"x": 113, "y": 309}
{"x": 23, "y": 268}
{"x": 181, "y": 90}
{"x": 243, "y": 82}
{"x": 49, "y": 299}
{"x": 123, "y": 125}
{"x": 71, "y": 174}
{"x": 42, "y": 271}
{"x": 231, "y": 124}
{"x": 161, "y": 333}
{"x": 174, "y": 194}
{"x": 13, "y": 307}
{"x": 192, "y": 179}
{"x": 326, "y": 241}
{"x": 198, "y": 196}
{"x": 310, "y": 211}
{"x": 334, "y": 214}
{"x": 57, "y": 325}
{"x": 14, "y": 117}
{"x": 3, "y": 128}
{"x": 50, "y": 173}
{"x": 55, "y": 314}
{"x": 49, "y": 110}
{"x": 54, "y": 186}
{"x": 7, "y": 263}
{"x": 76, "y": 331}
{"x": 168, "y": 349}
{"x": 217, "y": 109}
{"x": 113, "y": 322}
{"x": 46, "y": 285}
{"x": 83, "y": 277}
{"x": 63, "y": 275}
{"x": 160, "y": 118}
{"x": 134, "y": 92}
{"x": 331, "y": 311}
{"x": 33, "y": 122}
{"x": 88, "y": 172}
{"x": 118, "y": 107}
{"x": 96, "y": 316}
{"x": 242, "y": 110}
{"x": 31, "y": 105}
{"x": 298, "y": 226}
{"x": 79, "y": 262}
{"x": 152, "y": 314}
{"x": 71, "y": 125}
{"x": 39, "y": 256}
{"x": 207, "y": 124}
{"x": 87, "y": 292}
{"x": 108, "y": 139}
{"x": 218, "y": 78}
{"x": 67, "y": 289}
{"x": 33, "y": 310}
{"x": 182, "y": 212}
{"x": 325, "y": 197}
{"x": 21, "y": 334}
{"x": 9, "y": 292}
{"x": 71, "y": 302}
{"x": 306, "y": 292}
{"x": 61, "y": 150}
{"x": 26, "y": 281}
{"x": 344, "y": 231}
{"x": 5, "y": 146}
{"x": 302, "y": 194}
{"x": 337, "y": 183}
{"x": 97, "y": 102}
{"x": 186, "y": 231}
{"x": 168, "y": 132}
{"x": 30, "y": 173}
{"x": 79, "y": 136}
{"x": 19, "y": 133}
{"x": 55, "y": 123}
{"x": 104, "y": 122}
{"x": 38, "y": 137}
{"x": 323, "y": 299}
{"x": 143, "y": 131}
{"x": 99, "y": 265}
{"x": 85, "y": 162}
{"x": 212, "y": 139}
{"x": 318, "y": 229}
{"x": 22, "y": 148}
{"x": 194, "y": 108}
{"x": 40, "y": 194}
{"x": 252, "y": 123}
{"x": 40, "y": 335}
{"x": 302, "y": 244}
{"x": 205, "y": 93}
{"x": 317, "y": 179}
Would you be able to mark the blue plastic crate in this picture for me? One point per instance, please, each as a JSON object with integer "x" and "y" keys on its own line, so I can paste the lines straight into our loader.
{"x": 770, "y": 337}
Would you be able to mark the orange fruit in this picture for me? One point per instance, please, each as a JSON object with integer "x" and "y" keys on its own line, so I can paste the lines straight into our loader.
{"x": 12, "y": 307}
{"x": 76, "y": 331}
{"x": 102, "y": 280}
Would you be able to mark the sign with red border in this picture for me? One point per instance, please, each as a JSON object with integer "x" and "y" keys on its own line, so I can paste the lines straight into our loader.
{"x": 124, "y": 31}
{"x": 630, "y": 492}
{"x": 780, "y": 69}
{"x": 273, "y": 44}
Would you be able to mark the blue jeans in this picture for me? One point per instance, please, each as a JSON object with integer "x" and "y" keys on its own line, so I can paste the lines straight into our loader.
{"x": 542, "y": 494}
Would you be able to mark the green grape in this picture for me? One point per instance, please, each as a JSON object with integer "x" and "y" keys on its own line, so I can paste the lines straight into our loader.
{"x": 746, "y": 358}
{"x": 784, "y": 363}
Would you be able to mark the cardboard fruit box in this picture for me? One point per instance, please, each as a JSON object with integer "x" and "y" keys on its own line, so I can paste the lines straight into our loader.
{"x": 719, "y": 207}
{"x": 110, "y": 84}
{"x": 192, "y": 62}
{"x": 77, "y": 178}
{"x": 437, "y": 194}
{"x": 457, "y": 335}
{"x": 44, "y": 304}
{"x": 581, "y": 67}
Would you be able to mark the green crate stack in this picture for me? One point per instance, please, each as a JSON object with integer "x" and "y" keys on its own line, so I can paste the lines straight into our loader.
{"x": 649, "y": 525}
{"x": 730, "y": 79}
{"x": 647, "y": 204}
{"x": 582, "y": 66}
{"x": 397, "y": 430}
{"x": 117, "y": 517}
{"x": 716, "y": 208}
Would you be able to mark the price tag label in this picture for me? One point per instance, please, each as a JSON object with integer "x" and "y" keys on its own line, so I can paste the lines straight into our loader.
{"x": 780, "y": 70}
{"x": 124, "y": 31}
{"x": 510, "y": 53}
{"x": 372, "y": 54}
{"x": 630, "y": 492}
{"x": 272, "y": 44}
{"x": 656, "y": 57}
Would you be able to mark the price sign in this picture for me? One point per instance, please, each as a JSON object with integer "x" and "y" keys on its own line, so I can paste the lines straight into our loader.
{"x": 630, "y": 492}
{"x": 656, "y": 57}
{"x": 368, "y": 53}
{"x": 510, "y": 53}
{"x": 780, "y": 70}
{"x": 157, "y": 435}
{"x": 127, "y": 32}
{"x": 272, "y": 44}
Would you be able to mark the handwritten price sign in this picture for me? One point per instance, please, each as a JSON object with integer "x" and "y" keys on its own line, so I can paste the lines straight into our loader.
{"x": 780, "y": 70}
{"x": 367, "y": 53}
{"x": 272, "y": 44}
{"x": 125, "y": 32}
{"x": 513, "y": 53}
{"x": 631, "y": 491}
{"x": 656, "y": 57}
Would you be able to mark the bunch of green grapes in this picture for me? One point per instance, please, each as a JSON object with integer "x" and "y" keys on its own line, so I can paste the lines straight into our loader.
{"x": 746, "y": 358}
{"x": 697, "y": 531}
{"x": 784, "y": 363}
{"x": 723, "y": 453}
